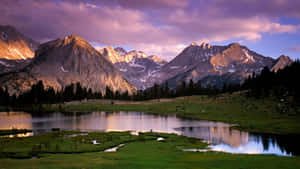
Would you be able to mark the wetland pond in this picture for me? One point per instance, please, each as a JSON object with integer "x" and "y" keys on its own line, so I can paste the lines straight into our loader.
{"x": 219, "y": 134}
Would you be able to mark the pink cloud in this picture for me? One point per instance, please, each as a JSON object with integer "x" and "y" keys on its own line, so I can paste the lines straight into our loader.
{"x": 294, "y": 49}
{"x": 248, "y": 8}
{"x": 161, "y": 27}
{"x": 153, "y": 4}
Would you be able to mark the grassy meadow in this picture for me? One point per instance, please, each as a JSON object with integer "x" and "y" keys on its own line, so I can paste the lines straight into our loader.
{"x": 142, "y": 151}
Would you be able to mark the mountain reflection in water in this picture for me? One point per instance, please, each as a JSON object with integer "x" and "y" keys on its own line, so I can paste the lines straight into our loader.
{"x": 219, "y": 134}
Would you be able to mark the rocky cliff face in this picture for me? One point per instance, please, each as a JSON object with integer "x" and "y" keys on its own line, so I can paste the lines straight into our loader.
{"x": 281, "y": 62}
{"x": 7, "y": 65}
{"x": 135, "y": 66}
{"x": 64, "y": 61}
{"x": 14, "y": 45}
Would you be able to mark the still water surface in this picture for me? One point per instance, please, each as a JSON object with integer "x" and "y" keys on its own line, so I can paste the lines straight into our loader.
{"x": 219, "y": 134}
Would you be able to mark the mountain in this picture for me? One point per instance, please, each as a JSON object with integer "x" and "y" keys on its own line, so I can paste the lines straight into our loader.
{"x": 213, "y": 65}
{"x": 14, "y": 45}
{"x": 135, "y": 66}
{"x": 64, "y": 61}
{"x": 281, "y": 62}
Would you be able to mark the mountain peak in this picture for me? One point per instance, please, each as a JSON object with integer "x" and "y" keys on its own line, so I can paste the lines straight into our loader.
{"x": 281, "y": 63}
{"x": 235, "y": 44}
{"x": 157, "y": 59}
{"x": 284, "y": 57}
{"x": 66, "y": 48}
{"x": 205, "y": 45}
{"x": 72, "y": 38}
{"x": 194, "y": 44}
{"x": 121, "y": 51}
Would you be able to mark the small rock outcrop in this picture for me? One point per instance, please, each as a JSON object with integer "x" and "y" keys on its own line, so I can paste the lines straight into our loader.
{"x": 14, "y": 45}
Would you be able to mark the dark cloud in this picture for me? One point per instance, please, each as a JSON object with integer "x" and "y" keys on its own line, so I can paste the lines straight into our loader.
{"x": 248, "y": 8}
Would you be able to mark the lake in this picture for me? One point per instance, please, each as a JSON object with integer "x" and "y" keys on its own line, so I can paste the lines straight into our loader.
{"x": 218, "y": 134}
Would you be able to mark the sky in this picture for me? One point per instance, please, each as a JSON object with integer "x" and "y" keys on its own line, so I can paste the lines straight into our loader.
{"x": 162, "y": 27}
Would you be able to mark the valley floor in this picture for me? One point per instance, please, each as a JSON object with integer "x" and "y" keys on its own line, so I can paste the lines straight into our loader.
{"x": 55, "y": 150}
{"x": 144, "y": 151}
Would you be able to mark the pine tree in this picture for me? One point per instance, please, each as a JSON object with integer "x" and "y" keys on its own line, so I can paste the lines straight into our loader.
{"x": 166, "y": 90}
{"x": 79, "y": 92}
{"x": 180, "y": 91}
{"x": 109, "y": 94}
{"x": 191, "y": 88}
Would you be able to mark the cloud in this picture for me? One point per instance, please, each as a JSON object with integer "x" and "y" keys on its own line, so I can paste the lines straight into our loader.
{"x": 248, "y": 8}
{"x": 168, "y": 51}
{"x": 294, "y": 49}
{"x": 160, "y": 27}
{"x": 152, "y": 4}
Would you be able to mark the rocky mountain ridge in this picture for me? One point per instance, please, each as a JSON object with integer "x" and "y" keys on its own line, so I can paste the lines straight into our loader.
{"x": 210, "y": 63}
{"x": 119, "y": 54}
{"x": 64, "y": 61}
{"x": 135, "y": 66}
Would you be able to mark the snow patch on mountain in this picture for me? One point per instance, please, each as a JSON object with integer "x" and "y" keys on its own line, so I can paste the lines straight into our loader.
{"x": 136, "y": 65}
{"x": 231, "y": 70}
{"x": 174, "y": 67}
{"x": 5, "y": 64}
{"x": 248, "y": 58}
{"x": 62, "y": 69}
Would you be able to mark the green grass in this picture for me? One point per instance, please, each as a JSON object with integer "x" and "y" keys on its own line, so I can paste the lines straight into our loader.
{"x": 150, "y": 154}
{"x": 60, "y": 142}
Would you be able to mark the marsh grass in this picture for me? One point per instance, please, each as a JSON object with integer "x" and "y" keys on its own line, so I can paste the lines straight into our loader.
{"x": 144, "y": 152}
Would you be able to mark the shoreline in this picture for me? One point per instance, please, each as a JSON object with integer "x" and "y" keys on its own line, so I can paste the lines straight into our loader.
{"x": 248, "y": 114}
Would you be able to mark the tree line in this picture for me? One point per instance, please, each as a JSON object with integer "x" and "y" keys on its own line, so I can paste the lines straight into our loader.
{"x": 284, "y": 83}
{"x": 184, "y": 89}
{"x": 39, "y": 94}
